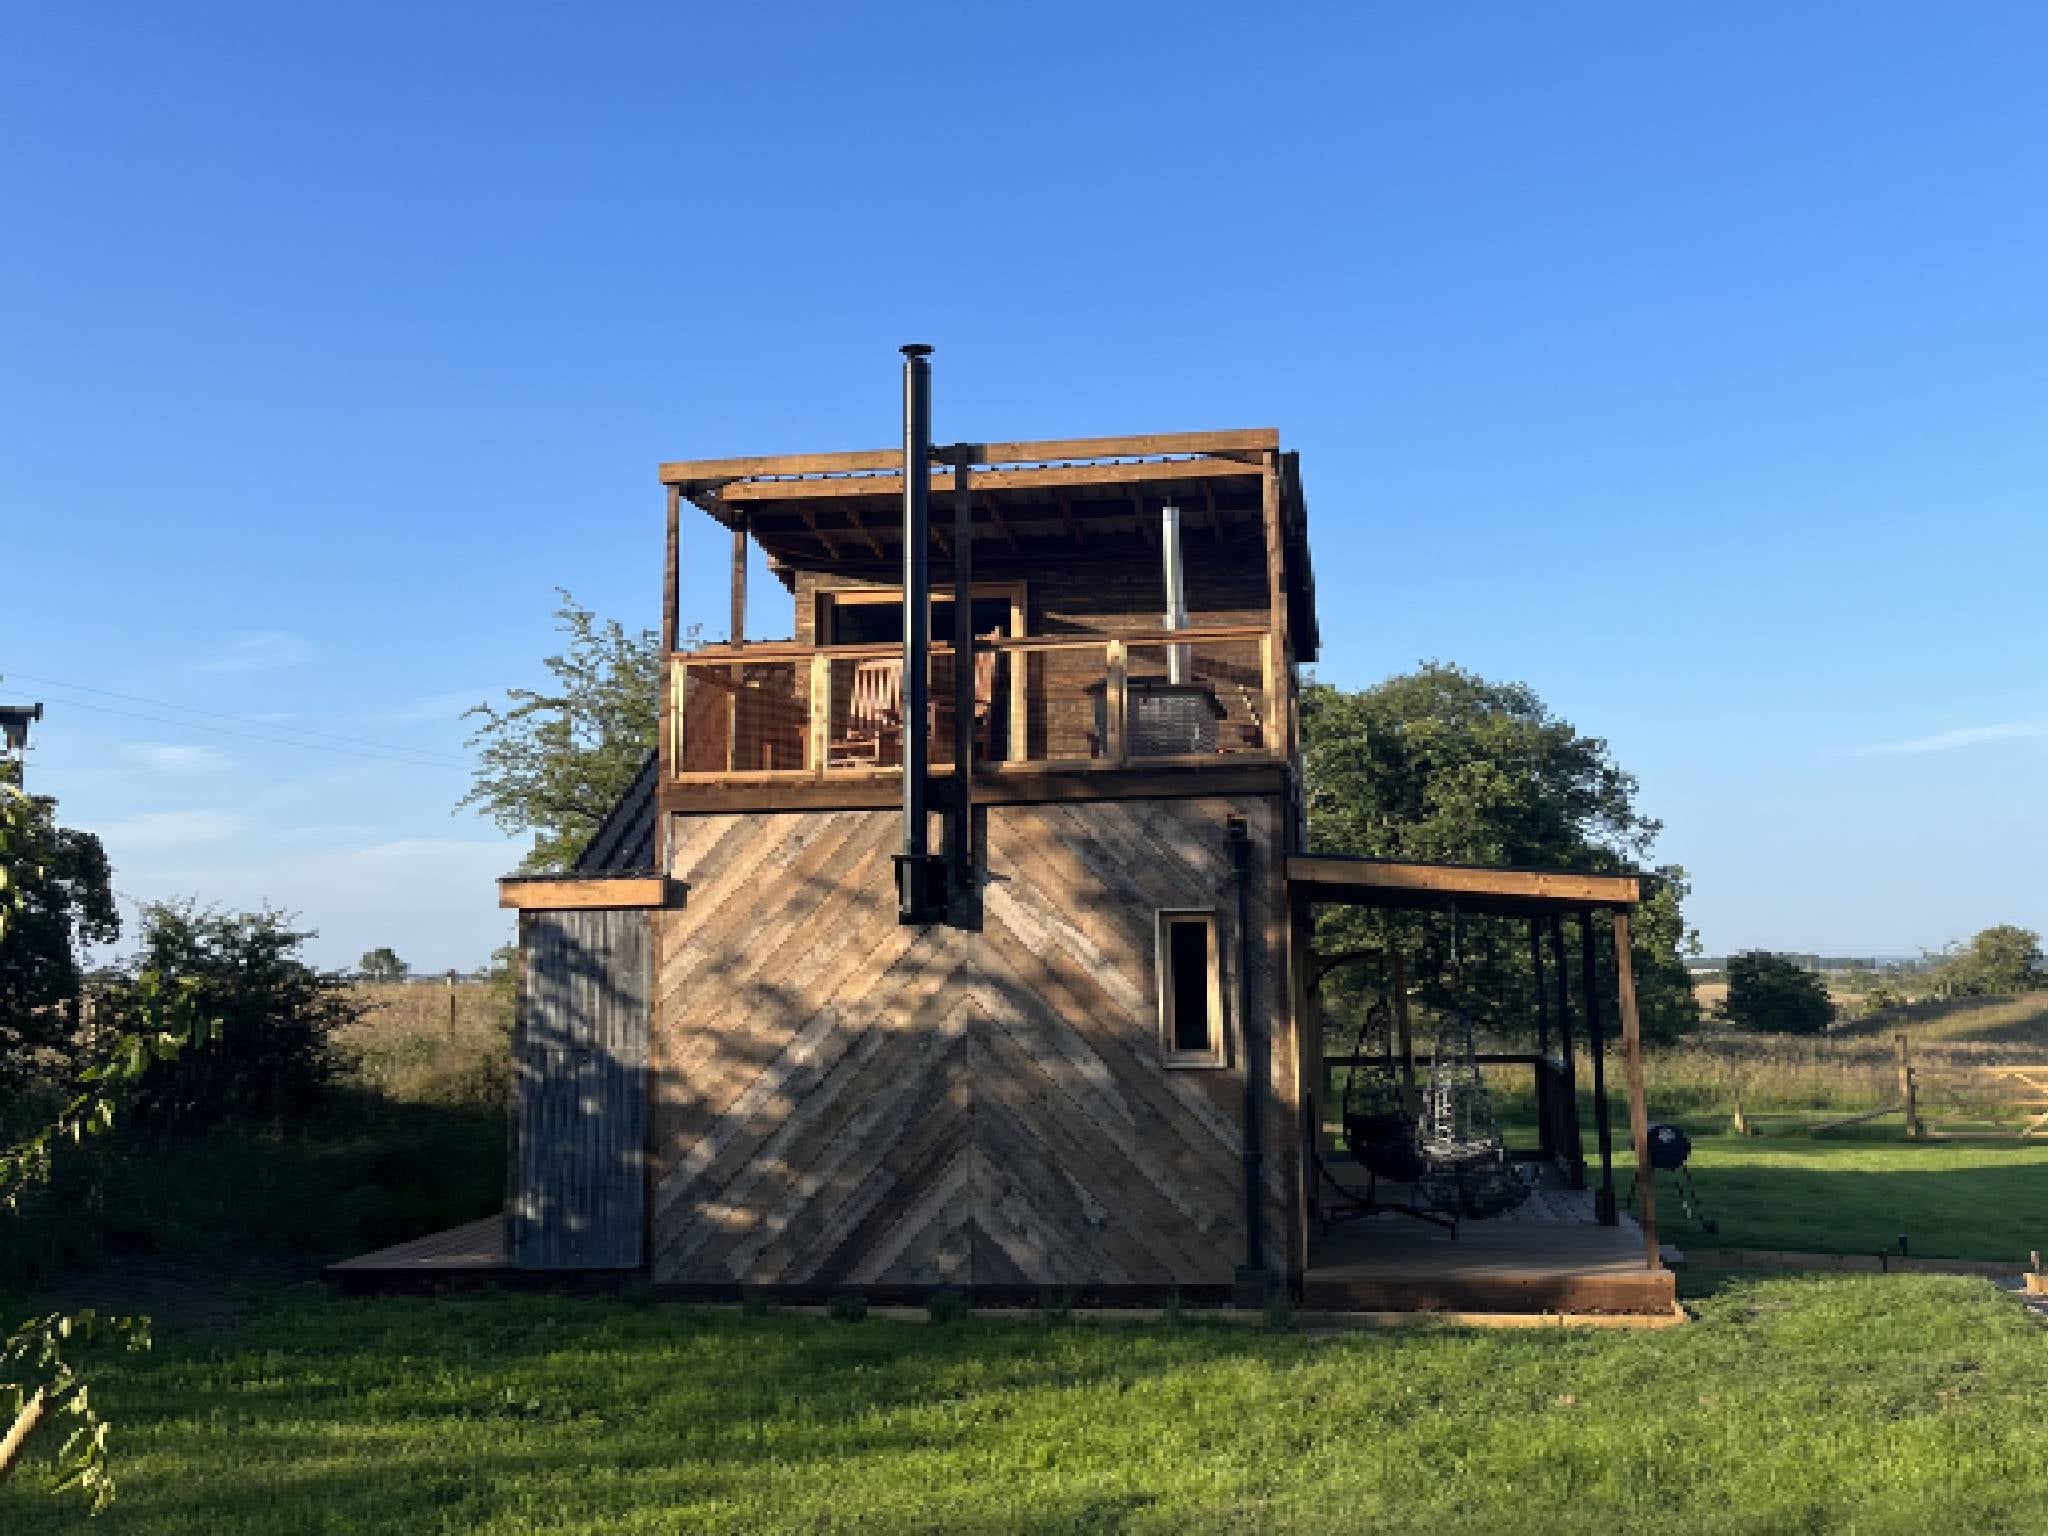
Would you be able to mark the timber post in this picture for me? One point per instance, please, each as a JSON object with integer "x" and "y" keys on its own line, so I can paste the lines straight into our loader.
{"x": 1638, "y": 1109}
{"x": 1596, "y": 1041}
{"x": 1909, "y": 1096}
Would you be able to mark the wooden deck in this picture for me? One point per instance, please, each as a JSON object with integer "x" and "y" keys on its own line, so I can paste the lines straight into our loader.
{"x": 1548, "y": 1255}
{"x": 473, "y": 1245}
{"x": 474, "y": 1251}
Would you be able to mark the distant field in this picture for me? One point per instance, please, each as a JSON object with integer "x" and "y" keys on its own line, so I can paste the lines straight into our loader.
{"x": 409, "y": 1047}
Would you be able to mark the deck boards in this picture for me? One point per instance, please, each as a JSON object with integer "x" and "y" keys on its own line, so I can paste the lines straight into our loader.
{"x": 1546, "y": 1255}
{"x": 475, "y": 1245}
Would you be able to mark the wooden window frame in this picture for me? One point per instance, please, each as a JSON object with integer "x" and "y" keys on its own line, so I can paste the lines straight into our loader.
{"x": 1217, "y": 1054}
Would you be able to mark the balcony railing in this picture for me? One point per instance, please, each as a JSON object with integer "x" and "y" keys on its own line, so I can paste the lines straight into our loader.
{"x": 774, "y": 712}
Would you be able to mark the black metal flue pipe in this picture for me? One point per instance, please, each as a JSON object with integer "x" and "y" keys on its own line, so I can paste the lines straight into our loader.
{"x": 916, "y": 896}
{"x": 966, "y": 696}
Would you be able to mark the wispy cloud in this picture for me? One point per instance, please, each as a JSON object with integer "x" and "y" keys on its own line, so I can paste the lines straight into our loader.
{"x": 161, "y": 831}
{"x": 267, "y": 650}
{"x": 166, "y": 758}
{"x": 435, "y": 706}
{"x": 1953, "y": 741}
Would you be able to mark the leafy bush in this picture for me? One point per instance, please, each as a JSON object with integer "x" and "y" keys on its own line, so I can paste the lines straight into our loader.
{"x": 276, "y": 1059}
{"x": 1998, "y": 961}
{"x": 1769, "y": 993}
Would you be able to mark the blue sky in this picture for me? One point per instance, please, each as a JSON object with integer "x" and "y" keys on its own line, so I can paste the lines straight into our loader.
{"x": 1687, "y": 363}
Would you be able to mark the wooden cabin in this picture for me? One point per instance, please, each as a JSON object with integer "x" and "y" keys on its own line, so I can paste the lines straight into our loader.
{"x": 1006, "y": 988}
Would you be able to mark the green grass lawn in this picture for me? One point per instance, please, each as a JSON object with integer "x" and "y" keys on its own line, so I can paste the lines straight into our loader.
{"x": 1842, "y": 1194}
{"x": 1865, "y": 1404}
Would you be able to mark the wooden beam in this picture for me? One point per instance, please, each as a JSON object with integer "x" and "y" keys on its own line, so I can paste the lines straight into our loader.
{"x": 1638, "y": 1106}
{"x": 701, "y": 471}
{"x": 1146, "y": 531}
{"x": 1144, "y": 473}
{"x": 1250, "y": 440}
{"x": 566, "y": 893}
{"x": 738, "y": 632}
{"x": 810, "y": 518}
{"x": 1067, "y": 515}
{"x": 994, "y": 784}
{"x": 1464, "y": 880}
{"x": 853, "y": 516}
{"x": 1276, "y": 598}
{"x": 960, "y": 479}
{"x": 670, "y": 620}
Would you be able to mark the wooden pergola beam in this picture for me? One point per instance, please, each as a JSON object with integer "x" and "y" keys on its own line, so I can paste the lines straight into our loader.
{"x": 853, "y": 516}
{"x": 1469, "y": 887}
{"x": 1140, "y": 473}
{"x": 811, "y": 522}
{"x": 1146, "y": 531}
{"x": 568, "y": 893}
{"x": 1248, "y": 440}
{"x": 1067, "y": 515}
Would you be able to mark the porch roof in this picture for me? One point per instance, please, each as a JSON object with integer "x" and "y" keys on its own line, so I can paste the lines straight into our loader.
{"x": 1477, "y": 890}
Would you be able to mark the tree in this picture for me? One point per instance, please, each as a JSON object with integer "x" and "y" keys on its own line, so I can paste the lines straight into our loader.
{"x": 63, "y": 898}
{"x": 1999, "y": 960}
{"x": 276, "y": 1058}
{"x": 1772, "y": 995}
{"x": 42, "y": 1369}
{"x": 554, "y": 763}
{"x": 382, "y": 965}
{"x": 1442, "y": 765}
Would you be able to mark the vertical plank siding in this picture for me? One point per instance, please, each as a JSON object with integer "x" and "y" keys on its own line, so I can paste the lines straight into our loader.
{"x": 837, "y": 1099}
{"x": 579, "y": 1181}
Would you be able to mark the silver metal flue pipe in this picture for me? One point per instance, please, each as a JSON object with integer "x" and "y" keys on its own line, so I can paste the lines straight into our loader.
{"x": 1176, "y": 592}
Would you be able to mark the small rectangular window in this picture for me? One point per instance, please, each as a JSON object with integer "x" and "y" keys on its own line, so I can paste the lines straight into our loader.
{"x": 1190, "y": 990}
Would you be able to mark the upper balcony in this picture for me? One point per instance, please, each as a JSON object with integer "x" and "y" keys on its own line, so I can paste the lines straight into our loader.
{"x": 1062, "y": 550}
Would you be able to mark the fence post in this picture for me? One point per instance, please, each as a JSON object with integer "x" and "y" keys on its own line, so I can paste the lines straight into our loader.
{"x": 1908, "y": 1093}
{"x": 451, "y": 1002}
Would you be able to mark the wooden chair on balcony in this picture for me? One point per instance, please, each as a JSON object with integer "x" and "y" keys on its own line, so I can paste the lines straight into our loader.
{"x": 874, "y": 711}
{"x": 984, "y": 702}
{"x": 874, "y": 715}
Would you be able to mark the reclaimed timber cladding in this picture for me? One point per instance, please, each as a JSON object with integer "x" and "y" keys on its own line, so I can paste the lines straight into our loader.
{"x": 839, "y": 1100}
{"x": 580, "y": 1106}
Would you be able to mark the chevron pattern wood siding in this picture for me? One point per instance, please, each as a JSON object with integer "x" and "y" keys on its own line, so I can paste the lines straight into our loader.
{"x": 840, "y": 1100}
{"x": 579, "y": 1175}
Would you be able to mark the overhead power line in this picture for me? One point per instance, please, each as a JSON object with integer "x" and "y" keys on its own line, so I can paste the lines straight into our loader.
{"x": 417, "y": 760}
{"x": 279, "y": 734}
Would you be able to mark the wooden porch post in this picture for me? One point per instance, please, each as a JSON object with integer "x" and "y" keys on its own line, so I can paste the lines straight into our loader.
{"x": 739, "y": 584}
{"x": 1574, "y": 1153}
{"x": 1638, "y": 1108}
{"x": 1281, "y": 638}
{"x": 1603, "y": 1129}
{"x": 670, "y": 704}
{"x": 1544, "y": 1140}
